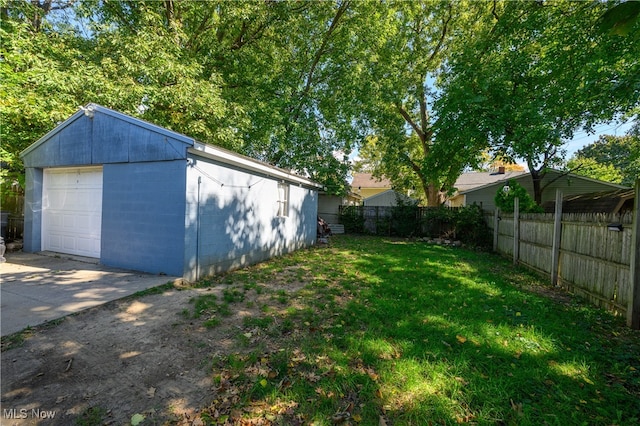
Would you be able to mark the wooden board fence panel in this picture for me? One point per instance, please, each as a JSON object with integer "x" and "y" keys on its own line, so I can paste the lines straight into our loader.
{"x": 595, "y": 240}
{"x": 603, "y": 284}
{"x": 594, "y": 261}
{"x": 536, "y": 256}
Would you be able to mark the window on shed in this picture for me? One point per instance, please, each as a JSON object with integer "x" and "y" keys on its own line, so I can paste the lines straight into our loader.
{"x": 283, "y": 199}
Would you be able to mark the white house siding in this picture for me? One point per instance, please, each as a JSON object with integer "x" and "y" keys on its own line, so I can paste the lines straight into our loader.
{"x": 232, "y": 217}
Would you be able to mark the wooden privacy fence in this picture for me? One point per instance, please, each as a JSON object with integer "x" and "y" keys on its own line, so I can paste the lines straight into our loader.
{"x": 593, "y": 255}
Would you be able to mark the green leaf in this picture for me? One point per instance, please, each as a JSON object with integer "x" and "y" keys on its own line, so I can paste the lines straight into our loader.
{"x": 621, "y": 18}
{"x": 136, "y": 419}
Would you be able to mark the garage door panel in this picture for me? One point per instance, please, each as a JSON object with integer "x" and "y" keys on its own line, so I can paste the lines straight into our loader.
{"x": 72, "y": 211}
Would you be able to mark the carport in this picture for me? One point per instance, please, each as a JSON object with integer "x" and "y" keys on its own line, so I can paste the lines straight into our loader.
{"x": 37, "y": 288}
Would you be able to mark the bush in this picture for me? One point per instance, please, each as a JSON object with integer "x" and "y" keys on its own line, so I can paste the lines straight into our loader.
{"x": 438, "y": 221}
{"x": 352, "y": 219}
{"x": 505, "y": 199}
{"x": 471, "y": 227}
{"x": 405, "y": 219}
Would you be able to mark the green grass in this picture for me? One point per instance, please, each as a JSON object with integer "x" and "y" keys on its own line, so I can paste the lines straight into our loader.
{"x": 92, "y": 416}
{"x": 414, "y": 334}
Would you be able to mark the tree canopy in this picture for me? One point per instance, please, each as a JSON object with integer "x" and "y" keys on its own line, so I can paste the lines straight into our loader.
{"x": 532, "y": 74}
{"x": 422, "y": 88}
{"x": 611, "y": 158}
{"x": 252, "y": 77}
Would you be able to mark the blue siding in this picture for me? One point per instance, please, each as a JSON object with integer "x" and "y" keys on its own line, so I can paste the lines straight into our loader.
{"x": 232, "y": 225}
{"x": 143, "y": 208}
{"x": 108, "y": 137}
{"x": 32, "y": 236}
{"x": 155, "y": 216}
{"x": 111, "y": 140}
{"x": 75, "y": 144}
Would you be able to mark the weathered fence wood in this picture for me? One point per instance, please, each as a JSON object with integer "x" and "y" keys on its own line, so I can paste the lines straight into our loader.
{"x": 516, "y": 230}
{"x": 496, "y": 219}
{"x": 633, "y": 309}
{"x": 557, "y": 229}
{"x": 592, "y": 260}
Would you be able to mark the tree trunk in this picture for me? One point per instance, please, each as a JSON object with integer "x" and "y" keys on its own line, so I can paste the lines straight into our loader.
{"x": 434, "y": 196}
{"x": 536, "y": 177}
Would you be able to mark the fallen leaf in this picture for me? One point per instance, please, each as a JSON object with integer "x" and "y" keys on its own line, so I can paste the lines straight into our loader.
{"x": 461, "y": 380}
{"x": 461, "y": 339}
{"x": 263, "y": 382}
{"x": 136, "y": 419}
{"x": 382, "y": 421}
{"x": 151, "y": 392}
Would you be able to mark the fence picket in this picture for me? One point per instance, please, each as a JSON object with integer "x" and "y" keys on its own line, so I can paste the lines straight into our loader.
{"x": 593, "y": 260}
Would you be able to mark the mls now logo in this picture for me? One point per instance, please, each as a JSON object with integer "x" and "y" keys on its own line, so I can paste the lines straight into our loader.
{"x": 23, "y": 413}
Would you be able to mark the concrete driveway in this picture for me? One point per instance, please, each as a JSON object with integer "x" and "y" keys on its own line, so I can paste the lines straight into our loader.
{"x": 36, "y": 288}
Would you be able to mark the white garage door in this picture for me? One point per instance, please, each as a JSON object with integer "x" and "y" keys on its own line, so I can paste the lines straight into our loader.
{"x": 72, "y": 210}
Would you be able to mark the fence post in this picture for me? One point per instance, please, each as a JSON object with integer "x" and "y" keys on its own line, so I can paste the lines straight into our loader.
{"x": 516, "y": 230}
{"x": 557, "y": 232}
{"x": 496, "y": 224}
{"x": 633, "y": 308}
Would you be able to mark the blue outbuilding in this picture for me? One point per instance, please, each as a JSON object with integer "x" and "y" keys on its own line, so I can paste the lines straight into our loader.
{"x": 134, "y": 195}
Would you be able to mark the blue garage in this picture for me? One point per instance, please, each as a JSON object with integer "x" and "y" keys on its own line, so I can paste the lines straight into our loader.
{"x": 134, "y": 195}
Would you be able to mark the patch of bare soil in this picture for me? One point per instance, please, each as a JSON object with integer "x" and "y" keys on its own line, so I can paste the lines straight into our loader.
{"x": 144, "y": 356}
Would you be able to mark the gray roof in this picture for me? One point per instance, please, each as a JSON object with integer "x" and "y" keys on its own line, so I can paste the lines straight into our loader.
{"x": 471, "y": 180}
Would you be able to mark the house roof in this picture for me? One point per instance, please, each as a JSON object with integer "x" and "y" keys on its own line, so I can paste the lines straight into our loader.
{"x": 523, "y": 175}
{"x": 367, "y": 180}
{"x": 617, "y": 201}
{"x": 471, "y": 180}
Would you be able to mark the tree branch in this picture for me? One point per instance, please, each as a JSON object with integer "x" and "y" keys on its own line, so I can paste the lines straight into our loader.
{"x": 443, "y": 34}
{"x": 410, "y": 121}
{"x": 344, "y": 6}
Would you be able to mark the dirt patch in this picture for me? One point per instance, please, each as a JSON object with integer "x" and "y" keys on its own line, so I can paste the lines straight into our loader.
{"x": 146, "y": 356}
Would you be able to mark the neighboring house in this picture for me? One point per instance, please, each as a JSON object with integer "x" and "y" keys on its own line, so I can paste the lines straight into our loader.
{"x": 138, "y": 196}
{"x": 471, "y": 180}
{"x": 329, "y": 205}
{"x": 570, "y": 184}
{"x": 388, "y": 198}
{"x": 365, "y": 185}
{"x": 618, "y": 201}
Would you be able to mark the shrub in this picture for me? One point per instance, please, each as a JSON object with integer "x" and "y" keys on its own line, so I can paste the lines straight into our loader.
{"x": 405, "y": 219}
{"x": 352, "y": 219}
{"x": 471, "y": 227}
{"x": 505, "y": 198}
{"x": 438, "y": 221}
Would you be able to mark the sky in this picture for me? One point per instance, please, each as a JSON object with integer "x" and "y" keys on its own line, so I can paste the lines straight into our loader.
{"x": 581, "y": 138}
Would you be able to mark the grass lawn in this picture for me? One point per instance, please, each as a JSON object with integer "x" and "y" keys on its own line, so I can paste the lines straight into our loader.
{"x": 374, "y": 331}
